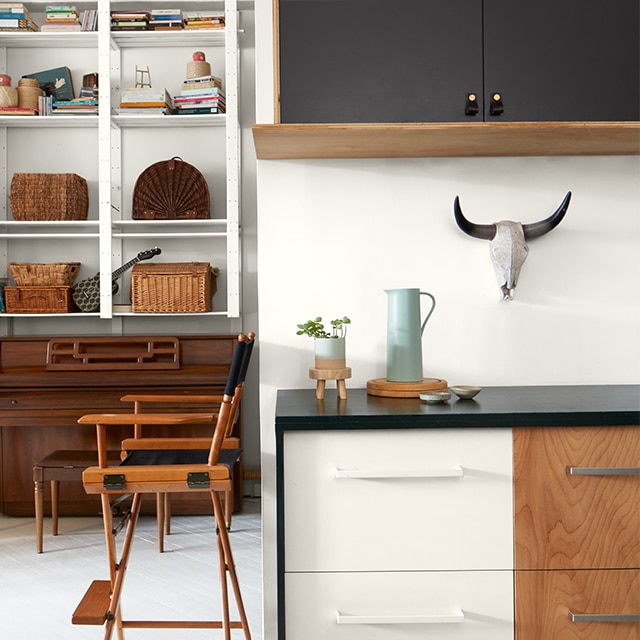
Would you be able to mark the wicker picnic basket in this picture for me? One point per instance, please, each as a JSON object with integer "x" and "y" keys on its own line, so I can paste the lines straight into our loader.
{"x": 171, "y": 190}
{"x": 38, "y": 300}
{"x": 53, "y": 274}
{"x": 49, "y": 196}
{"x": 173, "y": 287}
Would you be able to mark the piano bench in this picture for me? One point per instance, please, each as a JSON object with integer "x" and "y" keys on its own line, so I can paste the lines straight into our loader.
{"x": 61, "y": 465}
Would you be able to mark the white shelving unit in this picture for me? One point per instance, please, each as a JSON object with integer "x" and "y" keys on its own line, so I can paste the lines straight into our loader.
{"x": 111, "y": 151}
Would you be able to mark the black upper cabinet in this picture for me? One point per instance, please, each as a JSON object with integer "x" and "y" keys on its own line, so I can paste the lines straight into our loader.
{"x": 374, "y": 61}
{"x": 565, "y": 60}
{"x": 352, "y": 61}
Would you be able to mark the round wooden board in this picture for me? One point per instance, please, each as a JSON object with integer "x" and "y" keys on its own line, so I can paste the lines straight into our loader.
{"x": 385, "y": 388}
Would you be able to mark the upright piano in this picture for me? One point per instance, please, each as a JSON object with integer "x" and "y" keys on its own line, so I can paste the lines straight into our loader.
{"x": 48, "y": 382}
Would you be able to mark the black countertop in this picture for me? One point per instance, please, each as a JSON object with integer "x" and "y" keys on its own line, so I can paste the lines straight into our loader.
{"x": 517, "y": 406}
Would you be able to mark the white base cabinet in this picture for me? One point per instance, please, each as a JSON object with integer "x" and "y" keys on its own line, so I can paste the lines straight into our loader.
{"x": 456, "y": 605}
{"x": 398, "y": 534}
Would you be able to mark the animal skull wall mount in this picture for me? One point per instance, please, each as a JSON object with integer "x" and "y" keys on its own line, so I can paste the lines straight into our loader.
{"x": 508, "y": 242}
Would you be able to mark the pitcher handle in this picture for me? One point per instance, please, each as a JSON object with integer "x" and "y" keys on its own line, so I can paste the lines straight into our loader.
{"x": 433, "y": 306}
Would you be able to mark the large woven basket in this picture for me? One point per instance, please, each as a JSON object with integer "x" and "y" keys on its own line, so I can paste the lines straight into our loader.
{"x": 173, "y": 287}
{"x": 49, "y": 196}
{"x": 171, "y": 190}
{"x": 38, "y": 300}
{"x": 53, "y": 274}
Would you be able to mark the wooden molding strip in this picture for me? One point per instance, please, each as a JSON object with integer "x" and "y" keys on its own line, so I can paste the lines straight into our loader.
{"x": 414, "y": 140}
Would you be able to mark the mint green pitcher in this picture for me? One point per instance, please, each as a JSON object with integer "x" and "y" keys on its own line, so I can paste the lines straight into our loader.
{"x": 404, "y": 334}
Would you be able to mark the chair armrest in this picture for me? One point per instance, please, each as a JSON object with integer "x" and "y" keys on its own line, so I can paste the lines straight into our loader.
{"x": 146, "y": 418}
{"x": 210, "y": 399}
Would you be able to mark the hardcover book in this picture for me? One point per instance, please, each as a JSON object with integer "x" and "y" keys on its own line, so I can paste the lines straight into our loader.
{"x": 55, "y": 82}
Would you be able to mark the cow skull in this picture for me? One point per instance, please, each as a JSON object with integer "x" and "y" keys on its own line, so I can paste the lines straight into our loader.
{"x": 508, "y": 244}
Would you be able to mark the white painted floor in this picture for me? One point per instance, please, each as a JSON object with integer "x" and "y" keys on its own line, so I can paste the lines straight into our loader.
{"x": 39, "y": 592}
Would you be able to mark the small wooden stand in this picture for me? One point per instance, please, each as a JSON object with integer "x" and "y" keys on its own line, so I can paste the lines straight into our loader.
{"x": 322, "y": 375}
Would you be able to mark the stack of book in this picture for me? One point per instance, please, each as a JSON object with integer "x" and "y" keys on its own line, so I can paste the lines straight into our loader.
{"x": 75, "y": 107}
{"x": 145, "y": 100}
{"x": 14, "y": 16}
{"x": 61, "y": 17}
{"x": 166, "y": 20}
{"x": 130, "y": 20}
{"x": 203, "y": 20}
{"x": 205, "y": 100}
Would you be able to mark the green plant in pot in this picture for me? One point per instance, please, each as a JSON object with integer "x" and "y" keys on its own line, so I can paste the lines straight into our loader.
{"x": 330, "y": 352}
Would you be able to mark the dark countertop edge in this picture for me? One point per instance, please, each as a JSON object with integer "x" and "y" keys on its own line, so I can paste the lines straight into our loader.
{"x": 504, "y": 406}
{"x": 569, "y": 419}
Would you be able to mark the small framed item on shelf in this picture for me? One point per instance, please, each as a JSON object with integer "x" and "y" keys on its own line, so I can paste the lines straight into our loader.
{"x": 173, "y": 287}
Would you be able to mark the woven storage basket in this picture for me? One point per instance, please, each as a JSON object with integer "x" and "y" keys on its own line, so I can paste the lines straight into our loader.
{"x": 49, "y": 196}
{"x": 53, "y": 274}
{"x": 170, "y": 190}
{"x": 173, "y": 287}
{"x": 38, "y": 300}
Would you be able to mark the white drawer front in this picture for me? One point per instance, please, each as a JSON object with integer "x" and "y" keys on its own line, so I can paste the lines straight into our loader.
{"x": 398, "y": 500}
{"x": 453, "y": 605}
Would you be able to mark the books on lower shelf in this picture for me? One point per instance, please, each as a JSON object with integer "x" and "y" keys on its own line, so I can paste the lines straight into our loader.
{"x": 61, "y": 17}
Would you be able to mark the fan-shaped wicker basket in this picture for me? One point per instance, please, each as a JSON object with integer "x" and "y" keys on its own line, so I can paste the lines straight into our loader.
{"x": 52, "y": 274}
{"x": 171, "y": 190}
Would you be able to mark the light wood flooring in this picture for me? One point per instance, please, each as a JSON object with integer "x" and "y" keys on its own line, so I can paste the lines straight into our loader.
{"x": 38, "y": 592}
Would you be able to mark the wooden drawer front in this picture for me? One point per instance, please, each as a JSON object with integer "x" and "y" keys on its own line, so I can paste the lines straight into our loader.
{"x": 545, "y": 598}
{"x": 388, "y": 606}
{"x": 565, "y": 521}
{"x": 416, "y": 500}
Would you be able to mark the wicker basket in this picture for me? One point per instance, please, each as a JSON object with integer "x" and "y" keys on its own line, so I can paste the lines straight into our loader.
{"x": 38, "y": 300}
{"x": 171, "y": 190}
{"x": 53, "y": 274}
{"x": 173, "y": 287}
{"x": 49, "y": 196}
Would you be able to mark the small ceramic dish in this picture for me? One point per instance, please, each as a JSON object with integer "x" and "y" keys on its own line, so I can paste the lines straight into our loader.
{"x": 435, "y": 397}
{"x": 465, "y": 391}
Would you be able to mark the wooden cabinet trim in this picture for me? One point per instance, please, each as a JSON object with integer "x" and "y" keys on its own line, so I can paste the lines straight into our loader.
{"x": 415, "y": 140}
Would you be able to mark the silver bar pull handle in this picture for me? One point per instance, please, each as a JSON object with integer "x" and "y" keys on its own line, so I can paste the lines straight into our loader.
{"x": 603, "y": 617}
{"x": 603, "y": 471}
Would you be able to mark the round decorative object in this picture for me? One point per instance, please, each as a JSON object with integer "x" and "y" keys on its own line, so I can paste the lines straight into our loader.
{"x": 198, "y": 56}
{"x": 5, "y": 79}
{"x": 8, "y": 96}
{"x": 435, "y": 397}
{"x": 465, "y": 391}
{"x": 171, "y": 190}
{"x": 388, "y": 389}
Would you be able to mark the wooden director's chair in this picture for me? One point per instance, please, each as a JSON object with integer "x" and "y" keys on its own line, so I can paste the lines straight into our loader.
{"x": 164, "y": 466}
{"x": 230, "y": 443}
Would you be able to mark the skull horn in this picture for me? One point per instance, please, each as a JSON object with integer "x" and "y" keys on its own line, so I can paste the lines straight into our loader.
{"x": 481, "y": 231}
{"x": 537, "y": 229}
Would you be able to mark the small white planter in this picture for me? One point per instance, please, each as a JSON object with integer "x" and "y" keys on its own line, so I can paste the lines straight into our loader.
{"x": 330, "y": 353}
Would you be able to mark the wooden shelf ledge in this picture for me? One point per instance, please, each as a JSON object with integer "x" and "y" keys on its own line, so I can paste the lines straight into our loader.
{"x": 415, "y": 140}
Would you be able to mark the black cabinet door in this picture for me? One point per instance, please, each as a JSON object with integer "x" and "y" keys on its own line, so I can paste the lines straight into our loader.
{"x": 354, "y": 61}
{"x": 566, "y": 60}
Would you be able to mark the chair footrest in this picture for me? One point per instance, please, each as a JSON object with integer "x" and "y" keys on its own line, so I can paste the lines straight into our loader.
{"x": 95, "y": 603}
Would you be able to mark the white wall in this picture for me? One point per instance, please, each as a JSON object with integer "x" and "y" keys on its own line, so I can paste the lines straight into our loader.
{"x": 333, "y": 234}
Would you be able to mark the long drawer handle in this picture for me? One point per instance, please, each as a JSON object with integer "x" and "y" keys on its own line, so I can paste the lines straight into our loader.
{"x": 604, "y": 617}
{"x": 455, "y": 472}
{"x": 451, "y": 618}
{"x": 603, "y": 471}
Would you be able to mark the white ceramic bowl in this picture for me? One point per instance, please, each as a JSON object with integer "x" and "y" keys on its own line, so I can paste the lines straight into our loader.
{"x": 465, "y": 391}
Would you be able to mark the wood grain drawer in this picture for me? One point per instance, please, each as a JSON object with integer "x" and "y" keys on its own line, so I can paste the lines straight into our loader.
{"x": 566, "y": 521}
{"x": 545, "y": 598}
{"x": 396, "y": 500}
{"x": 451, "y": 605}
